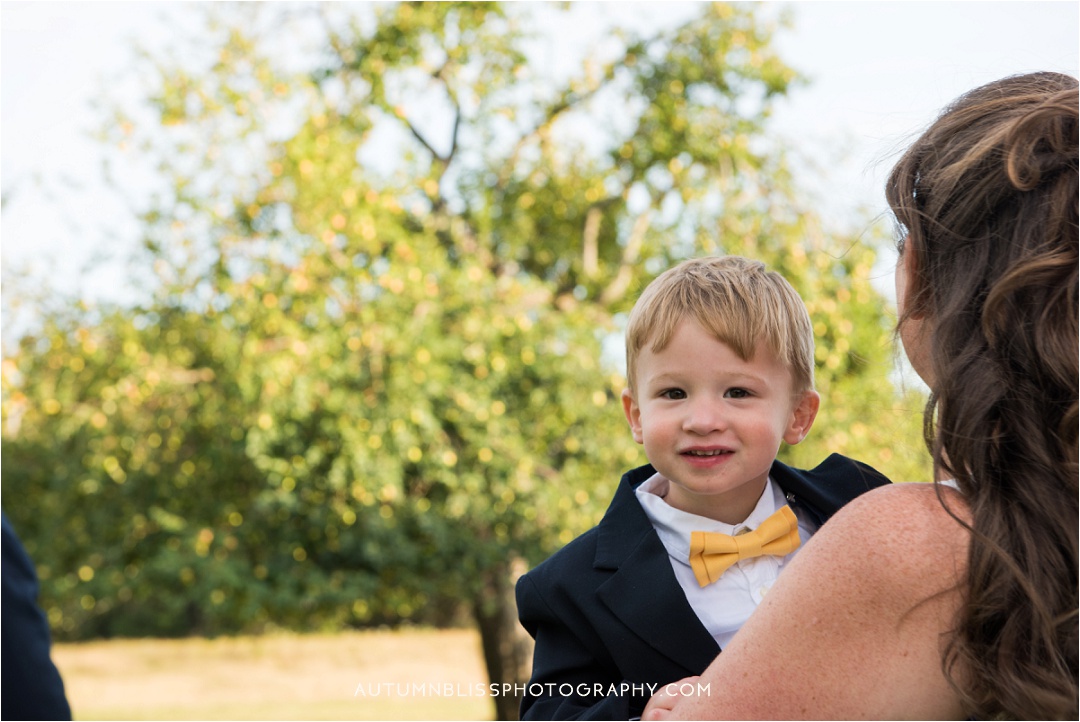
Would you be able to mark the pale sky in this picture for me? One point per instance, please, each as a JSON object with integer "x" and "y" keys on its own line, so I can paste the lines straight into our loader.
{"x": 879, "y": 71}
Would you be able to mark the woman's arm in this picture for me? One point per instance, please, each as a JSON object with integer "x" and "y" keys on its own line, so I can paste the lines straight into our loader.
{"x": 854, "y": 628}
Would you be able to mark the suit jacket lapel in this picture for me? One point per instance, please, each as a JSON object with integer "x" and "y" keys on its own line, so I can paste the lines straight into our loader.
{"x": 643, "y": 592}
{"x": 646, "y": 597}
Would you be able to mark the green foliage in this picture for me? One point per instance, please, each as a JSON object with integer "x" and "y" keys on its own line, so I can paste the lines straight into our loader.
{"x": 371, "y": 369}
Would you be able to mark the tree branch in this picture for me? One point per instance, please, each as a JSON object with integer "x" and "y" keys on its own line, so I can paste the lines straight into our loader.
{"x": 568, "y": 101}
{"x": 421, "y": 139}
{"x": 590, "y": 252}
{"x": 631, "y": 253}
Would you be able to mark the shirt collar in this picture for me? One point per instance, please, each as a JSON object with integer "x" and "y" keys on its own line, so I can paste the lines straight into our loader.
{"x": 674, "y": 525}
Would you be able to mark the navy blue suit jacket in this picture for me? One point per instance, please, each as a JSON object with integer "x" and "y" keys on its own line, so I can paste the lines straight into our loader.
{"x": 607, "y": 609}
{"x": 32, "y": 686}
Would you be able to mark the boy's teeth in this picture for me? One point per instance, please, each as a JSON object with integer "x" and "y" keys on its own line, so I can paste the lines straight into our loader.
{"x": 706, "y": 453}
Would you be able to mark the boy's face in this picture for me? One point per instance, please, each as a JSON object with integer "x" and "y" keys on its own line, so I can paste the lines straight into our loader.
{"x": 712, "y": 423}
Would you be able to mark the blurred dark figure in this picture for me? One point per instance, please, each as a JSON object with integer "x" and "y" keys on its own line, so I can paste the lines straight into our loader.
{"x": 32, "y": 687}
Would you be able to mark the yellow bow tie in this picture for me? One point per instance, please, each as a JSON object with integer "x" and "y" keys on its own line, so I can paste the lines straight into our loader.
{"x": 711, "y": 553}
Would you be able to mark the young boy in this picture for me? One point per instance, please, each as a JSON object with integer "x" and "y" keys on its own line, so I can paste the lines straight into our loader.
{"x": 720, "y": 370}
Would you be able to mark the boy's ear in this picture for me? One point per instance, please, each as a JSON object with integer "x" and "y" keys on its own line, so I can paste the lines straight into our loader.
{"x": 802, "y": 417}
{"x": 633, "y": 414}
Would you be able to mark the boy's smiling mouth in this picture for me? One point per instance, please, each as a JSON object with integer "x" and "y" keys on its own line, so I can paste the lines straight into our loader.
{"x": 706, "y": 452}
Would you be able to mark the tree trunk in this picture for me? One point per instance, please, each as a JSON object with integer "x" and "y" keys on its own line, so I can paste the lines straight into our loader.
{"x": 507, "y": 646}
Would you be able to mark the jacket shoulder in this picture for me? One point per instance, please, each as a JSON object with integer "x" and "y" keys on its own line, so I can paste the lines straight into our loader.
{"x": 829, "y": 485}
{"x": 577, "y": 555}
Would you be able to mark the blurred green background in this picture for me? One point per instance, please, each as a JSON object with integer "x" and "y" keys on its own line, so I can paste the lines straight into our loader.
{"x": 372, "y": 370}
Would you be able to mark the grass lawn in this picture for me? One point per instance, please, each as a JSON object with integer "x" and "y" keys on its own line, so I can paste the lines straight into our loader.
{"x": 400, "y": 675}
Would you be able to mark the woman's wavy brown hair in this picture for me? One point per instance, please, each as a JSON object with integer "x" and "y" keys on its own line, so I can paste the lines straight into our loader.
{"x": 987, "y": 202}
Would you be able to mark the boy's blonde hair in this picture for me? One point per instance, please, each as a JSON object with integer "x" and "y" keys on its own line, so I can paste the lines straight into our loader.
{"x": 734, "y": 298}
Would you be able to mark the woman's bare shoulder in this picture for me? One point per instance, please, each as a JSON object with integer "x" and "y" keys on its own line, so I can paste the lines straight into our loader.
{"x": 911, "y": 536}
{"x": 894, "y": 515}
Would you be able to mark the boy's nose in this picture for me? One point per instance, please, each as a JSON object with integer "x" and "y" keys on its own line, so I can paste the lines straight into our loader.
{"x": 705, "y": 417}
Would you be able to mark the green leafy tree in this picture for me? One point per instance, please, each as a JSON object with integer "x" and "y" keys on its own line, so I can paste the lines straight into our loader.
{"x": 372, "y": 379}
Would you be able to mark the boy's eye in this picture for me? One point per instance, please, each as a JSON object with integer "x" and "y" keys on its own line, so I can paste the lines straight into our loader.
{"x": 737, "y": 394}
{"x": 673, "y": 394}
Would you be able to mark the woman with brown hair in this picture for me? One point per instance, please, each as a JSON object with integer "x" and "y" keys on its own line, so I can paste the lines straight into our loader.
{"x": 956, "y": 599}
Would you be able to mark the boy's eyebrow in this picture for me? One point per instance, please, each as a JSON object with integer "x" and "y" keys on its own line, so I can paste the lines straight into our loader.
{"x": 666, "y": 375}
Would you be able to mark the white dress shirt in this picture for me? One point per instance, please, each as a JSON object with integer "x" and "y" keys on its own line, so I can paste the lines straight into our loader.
{"x": 725, "y": 605}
